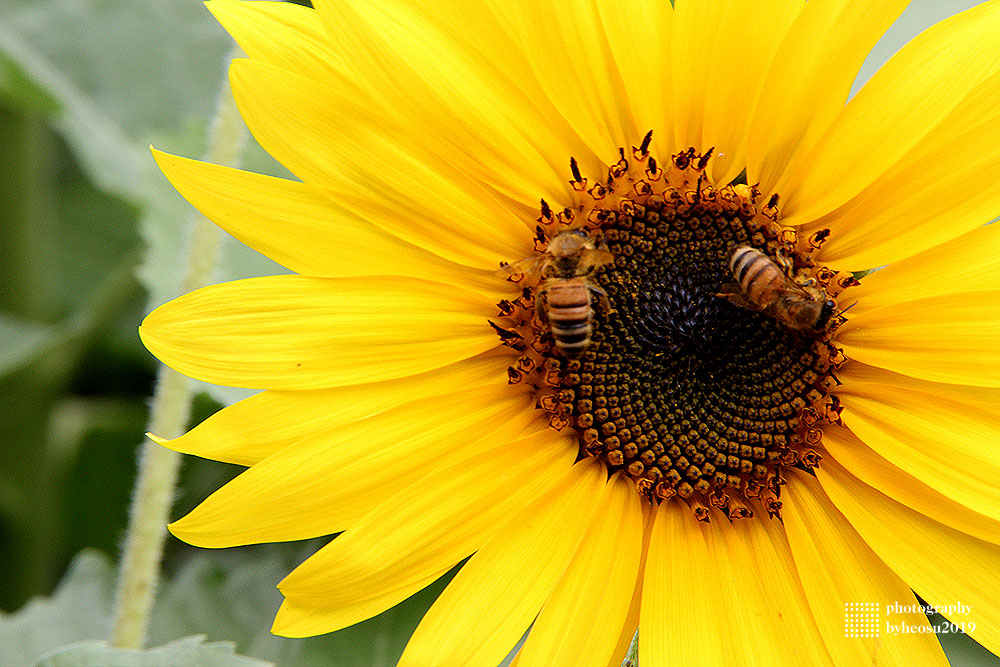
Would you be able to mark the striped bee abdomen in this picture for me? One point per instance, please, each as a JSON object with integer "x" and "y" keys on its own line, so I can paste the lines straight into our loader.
{"x": 569, "y": 313}
{"x": 757, "y": 274}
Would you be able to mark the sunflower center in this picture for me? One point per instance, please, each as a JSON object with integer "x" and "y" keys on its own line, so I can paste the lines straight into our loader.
{"x": 670, "y": 364}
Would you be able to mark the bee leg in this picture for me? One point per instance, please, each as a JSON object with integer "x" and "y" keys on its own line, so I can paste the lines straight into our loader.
{"x": 727, "y": 290}
{"x": 735, "y": 296}
{"x": 602, "y": 297}
{"x": 541, "y": 312}
{"x": 784, "y": 262}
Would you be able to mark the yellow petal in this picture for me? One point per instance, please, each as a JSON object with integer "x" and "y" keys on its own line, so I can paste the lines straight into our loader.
{"x": 631, "y": 625}
{"x": 250, "y": 430}
{"x": 281, "y": 33}
{"x": 933, "y": 432}
{"x": 638, "y": 35}
{"x": 580, "y": 622}
{"x": 905, "y": 101}
{"x": 322, "y": 486}
{"x": 952, "y": 338}
{"x": 693, "y": 38}
{"x": 298, "y": 620}
{"x": 293, "y": 332}
{"x": 809, "y": 81}
{"x": 741, "y": 572}
{"x": 566, "y": 46}
{"x": 965, "y": 264}
{"x": 721, "y": 52}
{"x": 774, "y": 616}
{"x": 504, "y": 585}
{"x": 874, "y": 470}
{"x": 301, "y": 228}
{"x": 360, "y": 161}
{"x": 838, "y": 570}
{"x": 427, "y": 527}
{"x": 941, "y": 565}
{"x": 464, "y": 91}
{"x": 935, "y": 193}
{"x": 676, "y": 557}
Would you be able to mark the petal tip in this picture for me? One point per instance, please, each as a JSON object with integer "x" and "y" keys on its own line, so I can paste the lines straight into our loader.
{"x": 288, "y": 622}
{"x": 184, "y": 531}
{"x": 176, "y": 529}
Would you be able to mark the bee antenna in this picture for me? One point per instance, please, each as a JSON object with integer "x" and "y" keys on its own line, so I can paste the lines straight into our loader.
{"x": 575, "y": 168}
{"x": 848, "y": 308}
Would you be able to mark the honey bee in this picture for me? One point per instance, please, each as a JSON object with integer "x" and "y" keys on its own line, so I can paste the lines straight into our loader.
{"x": 565, "y": 296}
{"x": 764, "y": 286}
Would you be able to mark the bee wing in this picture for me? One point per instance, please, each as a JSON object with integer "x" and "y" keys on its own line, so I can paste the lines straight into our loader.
{"x": 794, "y": 291}
{"x": 596, "y": 258}
{"x": 530, "y": 266}
{"x": 725, "y": 289}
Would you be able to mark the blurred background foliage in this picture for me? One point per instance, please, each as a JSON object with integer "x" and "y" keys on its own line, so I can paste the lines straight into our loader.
{"x": 91, "y": 237}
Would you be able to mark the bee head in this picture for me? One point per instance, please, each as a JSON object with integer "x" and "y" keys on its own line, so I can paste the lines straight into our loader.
{"x": 825, "y": 313}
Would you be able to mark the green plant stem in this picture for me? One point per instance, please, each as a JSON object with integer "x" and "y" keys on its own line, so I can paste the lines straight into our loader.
{"x": 169, "y": 414}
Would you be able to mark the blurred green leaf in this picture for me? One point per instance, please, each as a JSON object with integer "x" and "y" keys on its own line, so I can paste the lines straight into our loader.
{"x": 961, "y": 649}
{"x": 91, "y": 451}
{"x": 20, "y": 92}
{"x": 148, "y": 74}
{"x": 112, "y": 87}
{"x": 78, "y": 610}
{"x": 23, "y": 341}
{"x": 189, "y": 651}
{"x": 112, "y": 91}
{"x": 235, "y": 598}
{"x": 111, "y": 159}
{"x": 224, "y": 596}
{"x": 93, "y": 238}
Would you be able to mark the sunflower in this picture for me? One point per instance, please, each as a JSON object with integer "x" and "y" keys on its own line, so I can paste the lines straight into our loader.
{"x": 677, "y": 446}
